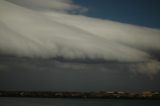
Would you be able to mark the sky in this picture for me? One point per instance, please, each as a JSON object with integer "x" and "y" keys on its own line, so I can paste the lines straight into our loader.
{"x": 79, "y": 45}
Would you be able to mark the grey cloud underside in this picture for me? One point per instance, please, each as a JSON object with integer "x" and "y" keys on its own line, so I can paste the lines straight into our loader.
{"x": 53, "y": 75}
{"x": 51, "y": 32}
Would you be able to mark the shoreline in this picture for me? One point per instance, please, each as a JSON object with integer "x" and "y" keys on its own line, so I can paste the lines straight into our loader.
{"x": 84, "y": 95}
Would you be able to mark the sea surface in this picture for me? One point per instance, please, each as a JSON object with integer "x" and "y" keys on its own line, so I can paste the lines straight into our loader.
{"x": 7, "y": 101}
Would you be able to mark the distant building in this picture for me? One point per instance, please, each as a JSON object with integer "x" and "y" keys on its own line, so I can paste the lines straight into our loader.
{"x": 147, "y": 94}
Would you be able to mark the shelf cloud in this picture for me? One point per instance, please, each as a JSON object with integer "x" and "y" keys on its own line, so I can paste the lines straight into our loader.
{"x": 49, "y": 29}
{"x": 49, "y": 5}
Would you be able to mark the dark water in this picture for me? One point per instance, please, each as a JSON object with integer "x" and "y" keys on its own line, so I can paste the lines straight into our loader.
{"x": 74, "y": 102}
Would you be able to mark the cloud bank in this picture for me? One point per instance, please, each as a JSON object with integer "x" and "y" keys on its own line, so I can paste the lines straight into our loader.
{"x": 46, "y": 29}
{"x": 50, "y": 5}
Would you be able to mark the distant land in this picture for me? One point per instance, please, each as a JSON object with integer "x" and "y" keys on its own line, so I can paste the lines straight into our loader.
{"x": 101, "y": 94}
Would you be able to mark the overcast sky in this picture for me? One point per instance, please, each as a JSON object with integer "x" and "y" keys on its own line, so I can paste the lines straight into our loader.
{"x": 61, "y": 45}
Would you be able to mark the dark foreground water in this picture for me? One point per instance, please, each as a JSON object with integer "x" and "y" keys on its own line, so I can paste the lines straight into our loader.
{"x": 74, "y": 102}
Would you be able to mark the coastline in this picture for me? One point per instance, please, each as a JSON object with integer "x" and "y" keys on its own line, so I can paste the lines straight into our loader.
{"x": 86, "y": 95}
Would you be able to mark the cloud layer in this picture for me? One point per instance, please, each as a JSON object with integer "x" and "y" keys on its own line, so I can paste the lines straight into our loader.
{"x": 49, "y": 5}
{"x": 45, "y": 29}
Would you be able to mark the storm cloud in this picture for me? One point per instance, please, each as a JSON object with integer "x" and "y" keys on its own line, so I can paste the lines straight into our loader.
{"x": 49, "y": 29}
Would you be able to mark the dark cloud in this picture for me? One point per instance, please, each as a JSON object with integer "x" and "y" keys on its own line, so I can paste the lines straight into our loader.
{"x": 44, "y": 74}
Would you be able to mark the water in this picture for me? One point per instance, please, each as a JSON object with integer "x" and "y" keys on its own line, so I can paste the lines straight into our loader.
{"x": 74, "y": 102}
